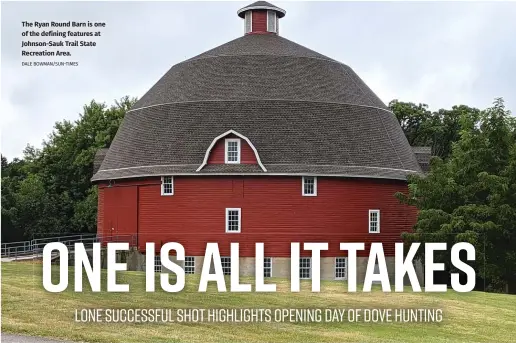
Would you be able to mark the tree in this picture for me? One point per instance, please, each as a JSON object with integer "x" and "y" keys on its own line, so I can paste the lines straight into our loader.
{"x": 416, "y": 121}
{"x": 54, "y": 182}
{"x": 471, "y": 196}
{"x": 12, "y": 174}
{"x": 438, "y": 130}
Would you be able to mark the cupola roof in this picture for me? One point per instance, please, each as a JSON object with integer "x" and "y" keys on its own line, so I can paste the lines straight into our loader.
{"x": 261, "y": 5}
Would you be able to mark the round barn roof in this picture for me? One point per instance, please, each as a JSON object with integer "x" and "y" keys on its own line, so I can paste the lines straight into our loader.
{"x": 305, "y": 113}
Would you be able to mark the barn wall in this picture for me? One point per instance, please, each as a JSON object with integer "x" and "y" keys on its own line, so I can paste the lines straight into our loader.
{"x": 273, "y": 212}
{"x": 218, "y": 152}
{"x": 118, "y": 215}
{"x": 100, "y": 210}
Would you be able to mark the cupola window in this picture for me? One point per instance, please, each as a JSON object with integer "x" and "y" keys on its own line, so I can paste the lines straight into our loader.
{"x": 232, "y": 150}
{"x": 271, "y": 21}
{"x": 248, "y": 21}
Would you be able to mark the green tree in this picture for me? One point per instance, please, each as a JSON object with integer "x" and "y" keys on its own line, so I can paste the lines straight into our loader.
{"x": 12, "y": 174}
{"x": 438, "y": 129}
{"x": 471, "y": 195}
{"x": 54, "y": 182}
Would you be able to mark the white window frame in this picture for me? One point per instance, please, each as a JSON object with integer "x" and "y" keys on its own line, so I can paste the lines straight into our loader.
{"x": 345, "y": 277}
{"x": 377, "y": 220}
{"x": 239, "y": 148}
{"x": 265, "y": 269}
{"x": 239, "y": 219}
{"x": 309, "y": 268}
{"x": 303, "y": 186}
{"x": 163, "y": 185}
{"x": 222, "y": 263}
{"x": 191, "y": 265}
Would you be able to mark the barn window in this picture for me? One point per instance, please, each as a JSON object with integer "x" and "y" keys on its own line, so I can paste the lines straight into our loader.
{"x": 309, "y": 185}
{"x": 341, "y": 268}
{"x": 374, "y": 221}
{"x": 232, "y": 150}
{"x": 167, "y": 185}
{"x": 189, "y": 265}
{"x": 267, "y": 267}
{"x": 305, "y": 267}
{"x": 157, "y": 264}
{"x": 248, "y": 21}
{"x": 271, "y": 21}
{"x": 233, "y": 219}
{"x": 226, "y": 265}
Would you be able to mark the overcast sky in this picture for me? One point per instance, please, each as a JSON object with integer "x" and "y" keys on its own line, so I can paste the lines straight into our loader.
{"x": 437, "y": 53}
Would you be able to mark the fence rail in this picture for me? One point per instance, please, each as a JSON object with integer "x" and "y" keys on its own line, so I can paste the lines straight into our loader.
{"x": 35, "y": 247}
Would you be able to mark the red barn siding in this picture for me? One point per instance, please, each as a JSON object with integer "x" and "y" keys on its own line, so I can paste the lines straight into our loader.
{"x": 273, "y": 212}
{"x": 259, "y": 21}
{"x": 120, "y": 210}
{"x": 100, "y": 211}
{"x": 218, "y": 152}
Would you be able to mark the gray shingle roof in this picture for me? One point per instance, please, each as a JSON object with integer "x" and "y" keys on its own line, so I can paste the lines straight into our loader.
{"x": 260, "y": 67}
{"x": 423, "y": 156}
{"x": 305, "y": 113}
{"x": 99, "y": 157}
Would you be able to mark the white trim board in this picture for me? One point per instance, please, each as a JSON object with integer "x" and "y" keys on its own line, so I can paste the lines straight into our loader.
{"x": 208, "y": 151}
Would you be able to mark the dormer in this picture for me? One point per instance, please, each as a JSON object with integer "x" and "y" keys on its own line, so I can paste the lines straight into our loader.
{"x": 261, "y": 17}
{"x": 231, "y": 148}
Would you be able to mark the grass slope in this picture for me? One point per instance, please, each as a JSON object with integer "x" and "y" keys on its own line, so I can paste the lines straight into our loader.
{"x": 28, "y": 309}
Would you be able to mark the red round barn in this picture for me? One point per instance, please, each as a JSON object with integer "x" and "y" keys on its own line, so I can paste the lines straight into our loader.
{"x": 258, "y": 140}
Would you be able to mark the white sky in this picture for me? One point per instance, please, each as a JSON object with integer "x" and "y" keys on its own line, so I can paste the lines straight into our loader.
{"x": 438, "y": 53}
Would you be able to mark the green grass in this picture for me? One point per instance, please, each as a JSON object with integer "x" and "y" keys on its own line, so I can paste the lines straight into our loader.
{"x": 28, "y": 309}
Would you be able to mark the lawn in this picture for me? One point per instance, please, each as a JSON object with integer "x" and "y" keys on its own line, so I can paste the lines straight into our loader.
{"x": 28, "y": 309}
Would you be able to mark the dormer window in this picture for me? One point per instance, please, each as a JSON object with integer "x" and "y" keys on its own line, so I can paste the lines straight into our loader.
{"x": 232, "y": 150}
